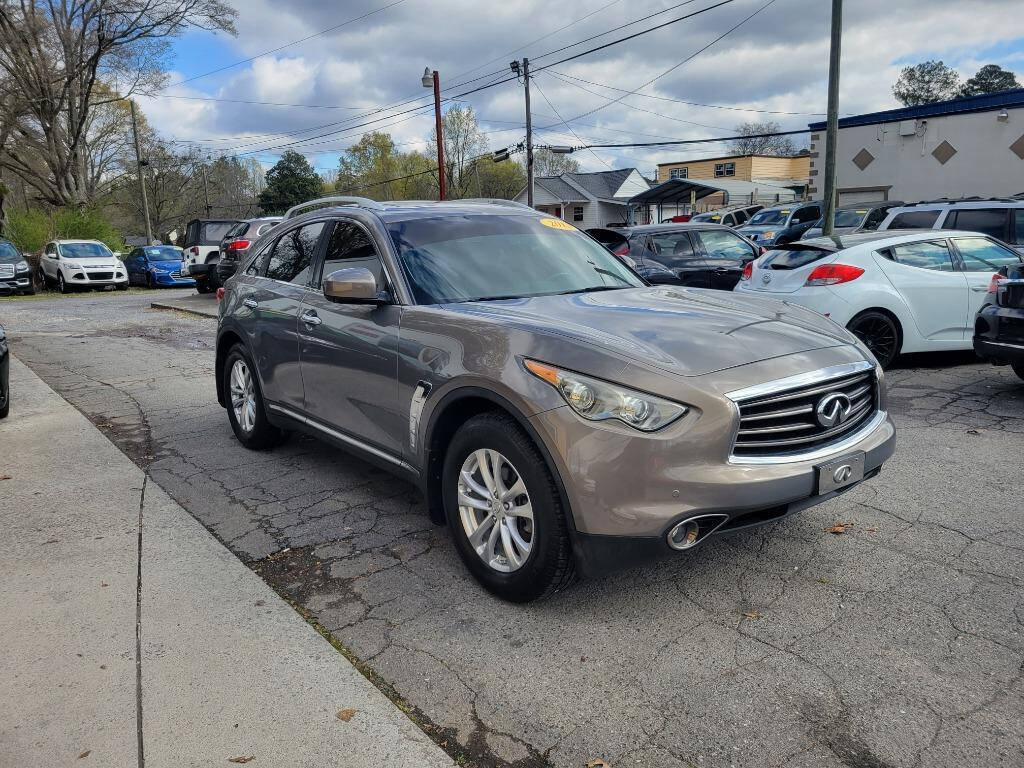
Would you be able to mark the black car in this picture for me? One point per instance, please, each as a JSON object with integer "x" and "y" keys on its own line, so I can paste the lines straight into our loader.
{"x": 5, "y": 375}
{"x": 698, "y": 255}
{"x": 999, "y": 325}
{"x": 238, "y": 241}
{"x": 15, "y": 272}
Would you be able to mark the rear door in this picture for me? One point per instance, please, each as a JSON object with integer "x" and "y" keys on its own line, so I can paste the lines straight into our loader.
{"x": 994, "y": 222}
{"x": 674, "y": 250}
{"x": 980, "y": 258}
{"x": 803, "y": 220}
{"x": 925, "y": 275}
{"x": 349, "y": 352}
{"x": 726, "y": 254}
{"x": 275, "y": 303}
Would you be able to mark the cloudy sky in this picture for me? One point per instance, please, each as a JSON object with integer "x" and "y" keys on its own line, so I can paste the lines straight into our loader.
{"x": 772, "y": 66}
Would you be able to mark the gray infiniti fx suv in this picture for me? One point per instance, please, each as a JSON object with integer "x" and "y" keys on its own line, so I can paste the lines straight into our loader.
{"x": 559, "y": 414}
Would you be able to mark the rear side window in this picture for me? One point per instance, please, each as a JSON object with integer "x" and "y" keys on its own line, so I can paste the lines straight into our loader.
{"x": 292, "y": 255}
{"x": 786, "y": 259}
{"x": 812, "y": 213}
{"x": 983, "y": 255}
{"x": 721, "y": 244}
{"x": 672, "y": 248}
{"x": 929, "y": 254}
{"x": 988, "y": 221}
{"x": 215, "y": 231}
{"x": 1018, "y": 226}
{"x": 237, "y": 230}
{"x": 914, "y": 220}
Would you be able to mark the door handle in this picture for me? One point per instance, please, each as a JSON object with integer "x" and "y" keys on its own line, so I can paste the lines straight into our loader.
{"x": 250, "y": 303}
{"x": 979, "y": 288}
{"x": 311, "y": 318}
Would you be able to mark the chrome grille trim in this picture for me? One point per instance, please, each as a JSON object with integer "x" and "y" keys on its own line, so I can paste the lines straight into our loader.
{"x": 6, "y": 270}
{"x": 776, "y": 423}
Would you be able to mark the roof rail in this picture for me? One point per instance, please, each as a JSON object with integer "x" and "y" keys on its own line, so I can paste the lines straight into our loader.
{"x": 331, "y": 201}
{"x": 955, "y": 200}
{"x": 493, "y": 201}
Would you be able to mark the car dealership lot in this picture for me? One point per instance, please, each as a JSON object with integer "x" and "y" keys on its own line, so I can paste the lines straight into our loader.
{"x": 884, "y": 628}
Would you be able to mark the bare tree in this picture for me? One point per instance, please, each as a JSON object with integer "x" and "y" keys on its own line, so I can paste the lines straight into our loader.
{"x": 463, "y": 141}
{"x": 52, "y": 53}
{"x": 547, "y": 163}
{"x": 753, "y": 143}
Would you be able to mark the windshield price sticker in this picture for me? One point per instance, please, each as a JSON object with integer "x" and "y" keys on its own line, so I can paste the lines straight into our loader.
{"x": 557, "y": 224}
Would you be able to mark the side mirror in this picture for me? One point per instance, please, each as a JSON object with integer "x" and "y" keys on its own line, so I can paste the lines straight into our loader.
{"x": 353, "y": 285}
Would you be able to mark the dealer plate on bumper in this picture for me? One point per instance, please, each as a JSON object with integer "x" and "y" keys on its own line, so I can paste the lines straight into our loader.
{"x": 840, "y": 472}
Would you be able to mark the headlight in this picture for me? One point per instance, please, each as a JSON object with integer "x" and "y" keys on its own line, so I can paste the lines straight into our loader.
{"x": 158, "y": 271}
{"x": 72, "y": 265}
{"x": 597, "y": 400}
{"x": 768, "y": 235}
{"x": 21, "y": 266}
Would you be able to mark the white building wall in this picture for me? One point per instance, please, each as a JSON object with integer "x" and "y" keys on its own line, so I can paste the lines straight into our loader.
{"x": 905, "y": 168}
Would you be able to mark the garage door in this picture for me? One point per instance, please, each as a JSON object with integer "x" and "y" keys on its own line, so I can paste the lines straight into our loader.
{"x": 863, "y": 195}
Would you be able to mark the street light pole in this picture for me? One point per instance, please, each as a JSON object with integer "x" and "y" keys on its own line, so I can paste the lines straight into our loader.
{"x": 142, "y": 180}
{"x": 832, "y": 127}
{"x": 433, "y": 79}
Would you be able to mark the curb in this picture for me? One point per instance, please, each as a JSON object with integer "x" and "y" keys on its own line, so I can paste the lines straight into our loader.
{"x": 187, "y": 310}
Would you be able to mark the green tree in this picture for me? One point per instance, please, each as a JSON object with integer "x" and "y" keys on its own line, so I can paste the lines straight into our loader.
{"x": 290, "y": 182}
{"x": 989, "y": 79}
{"x": 504, "y": 180}
{"x": 372, "y": 167}
{"x": 925, "y": 83}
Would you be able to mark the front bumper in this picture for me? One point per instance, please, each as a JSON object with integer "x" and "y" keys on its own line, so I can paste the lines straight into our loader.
{"x": 999, "y": 334}
{"x": 170, "y": 280}
{"x": 83, "y": 279}
{"x": 12, "y": 285}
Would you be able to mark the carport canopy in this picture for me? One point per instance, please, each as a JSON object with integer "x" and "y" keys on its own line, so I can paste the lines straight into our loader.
{"x": 687, "y": 190}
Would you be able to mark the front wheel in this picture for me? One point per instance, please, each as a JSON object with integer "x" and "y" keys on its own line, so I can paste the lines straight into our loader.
{"x": 203, "y": 285}
{"x": 1018, "y": 368}
{"x": 880, "y": 334}
{"x": 246, "y": 411}
{"x": 61, "y": 285}
{"x": 504, "y": 510}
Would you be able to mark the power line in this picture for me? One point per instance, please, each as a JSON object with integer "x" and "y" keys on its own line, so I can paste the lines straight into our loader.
{"x": 289, "y": 45}
{"x": 569, "y": 127}
{"x": 247, "y": 101}
{"x": 694, "y": 141}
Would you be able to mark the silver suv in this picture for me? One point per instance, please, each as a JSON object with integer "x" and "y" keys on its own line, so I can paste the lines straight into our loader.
{"x": 559, "y": 414}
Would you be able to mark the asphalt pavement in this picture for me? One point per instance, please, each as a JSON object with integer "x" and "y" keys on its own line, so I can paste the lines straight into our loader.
{"x": 884, "y": 628}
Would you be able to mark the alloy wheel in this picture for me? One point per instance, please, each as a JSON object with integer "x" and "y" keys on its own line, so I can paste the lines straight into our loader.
{"x": 495, "y": 510}
{"x": 243, "y": 396}
{"x": 879, "y": 335}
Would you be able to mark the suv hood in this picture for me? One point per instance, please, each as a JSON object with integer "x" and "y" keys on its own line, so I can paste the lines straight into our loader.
{"x": 686, "y": 331}
{"x": 92, "y": 261}
{"x": 757, "y": 230}
{"x": 169, "y": 265}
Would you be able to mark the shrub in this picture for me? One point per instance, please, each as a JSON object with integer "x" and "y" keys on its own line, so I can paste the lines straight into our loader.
{"x": 30, "y": 230}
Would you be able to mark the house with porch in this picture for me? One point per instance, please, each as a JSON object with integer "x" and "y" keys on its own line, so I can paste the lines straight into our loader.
{"x": 587, "y": 199}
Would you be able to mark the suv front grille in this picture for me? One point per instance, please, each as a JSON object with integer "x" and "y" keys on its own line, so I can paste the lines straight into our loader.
{"x": 786, "y": 421}
{"x": 6, "y": 270}
{"x": 100, "y": 275}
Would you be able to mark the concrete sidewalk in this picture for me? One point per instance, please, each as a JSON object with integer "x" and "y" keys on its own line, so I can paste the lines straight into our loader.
{"x": 203, "y": 304}
{"x": 132, "y": 634}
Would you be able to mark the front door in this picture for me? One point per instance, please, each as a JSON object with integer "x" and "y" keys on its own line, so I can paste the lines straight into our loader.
{"x": 980, "y": 258}
{"x": 349, "y": 352}
{"x": 674, "y": 250}
{"x": 282, "y": 284}
{"x": 924, "y": 275}
{"x": 727, "y": 254}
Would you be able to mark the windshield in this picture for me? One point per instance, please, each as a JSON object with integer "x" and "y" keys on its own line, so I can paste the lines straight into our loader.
{"x": 9, "y": 254}
{"x": 707, "y": 217}
{"x": 850, "y": 218}
{"x": 777, "y": 216}
{"x": 85, "y": 251}
{"x": 162, "y": 253}
{"x": 480, "y": 257}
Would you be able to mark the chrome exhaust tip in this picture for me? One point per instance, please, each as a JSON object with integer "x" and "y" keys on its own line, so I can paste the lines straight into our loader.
{"x": 692, "y": 531}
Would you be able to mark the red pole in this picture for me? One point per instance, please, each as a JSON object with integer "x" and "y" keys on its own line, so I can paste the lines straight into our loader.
{"x": 440, "y": 137}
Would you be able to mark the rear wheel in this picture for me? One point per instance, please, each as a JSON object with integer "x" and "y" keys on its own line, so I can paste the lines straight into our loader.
{"x": 880, "y": 334}
{"x": 1018, "y": 368}
{"x": 504, "y": 510}
{"x": 203, "y": 285}
{"x": 246, "y": 411}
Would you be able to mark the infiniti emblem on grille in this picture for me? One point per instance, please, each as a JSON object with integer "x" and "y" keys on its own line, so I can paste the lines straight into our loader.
{"x": 833, "y": 409}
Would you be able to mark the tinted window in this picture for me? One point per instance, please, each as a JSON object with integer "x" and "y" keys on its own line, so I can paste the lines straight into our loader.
{"x": 293, "y": 254}
{"x": 352, "y": 246}
{"x": 982, "y": 255}
{"x": 1018, "y": 225}
{"x": 848, "y": 218}
{"x": 876, "y": 218}
{"x": 238, "y": 229}
{"x": 214, "y": 231}
{"x": 807, "y": 214}
{"x": 786, "y": 259}
{"x": 725, "y": 245}
{"x": 672, "y": 248}
{"x": 489, "y": 256}
{"x": 741, "y": 216}
{"x": 914, "y": 220}
{"x": 8, "y": 253}
{"x": 988, "y": 221}
{"x": 925, "y": 255}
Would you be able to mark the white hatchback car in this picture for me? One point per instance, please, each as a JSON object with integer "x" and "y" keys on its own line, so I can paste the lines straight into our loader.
{"x": 898, "y": 292}
{"x": 80, "y": 264}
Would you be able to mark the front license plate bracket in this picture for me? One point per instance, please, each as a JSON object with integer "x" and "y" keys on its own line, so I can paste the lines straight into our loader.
{"x": 841, "y": 472}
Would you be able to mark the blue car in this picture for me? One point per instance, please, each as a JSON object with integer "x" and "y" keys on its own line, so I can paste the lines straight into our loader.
{"x": 155, "y": 266}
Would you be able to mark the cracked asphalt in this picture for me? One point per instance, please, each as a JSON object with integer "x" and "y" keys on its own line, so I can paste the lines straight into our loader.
{"x": 898, "y": 642}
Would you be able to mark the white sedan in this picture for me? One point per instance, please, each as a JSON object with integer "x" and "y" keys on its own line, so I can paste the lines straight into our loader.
{"x": 897, "y": 291}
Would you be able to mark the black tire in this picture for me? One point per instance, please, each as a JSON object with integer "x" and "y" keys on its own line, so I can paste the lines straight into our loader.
{"x": 149, "y": 281}
{"x": 1018, "y": 368}
{"x": 212, "y": 277}
{"x": 6, "y": 407}
{"x": 263, "y": 434}
{"x": 549, "y": 566}
{"x": 31, "y": 290}
{"x": 880, "y": 334}
{"x": 122, "y": 286}
{"x": 203, "y": 285}
{"x": 61, "y": 285}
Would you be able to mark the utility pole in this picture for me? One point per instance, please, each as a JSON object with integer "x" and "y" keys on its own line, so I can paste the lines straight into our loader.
{"x": 206, "y": 190}
{"x": 142, "y": 180}
{"x": 832, "y": 127}
{"x": 529, "y": 135}
{"x": 433, "y": 80}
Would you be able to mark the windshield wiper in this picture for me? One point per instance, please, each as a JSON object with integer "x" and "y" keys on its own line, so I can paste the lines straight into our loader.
{"x": 595, "y": 289}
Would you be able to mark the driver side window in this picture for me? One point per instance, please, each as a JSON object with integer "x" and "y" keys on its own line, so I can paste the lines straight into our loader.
{"x": 351, "y": 246}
